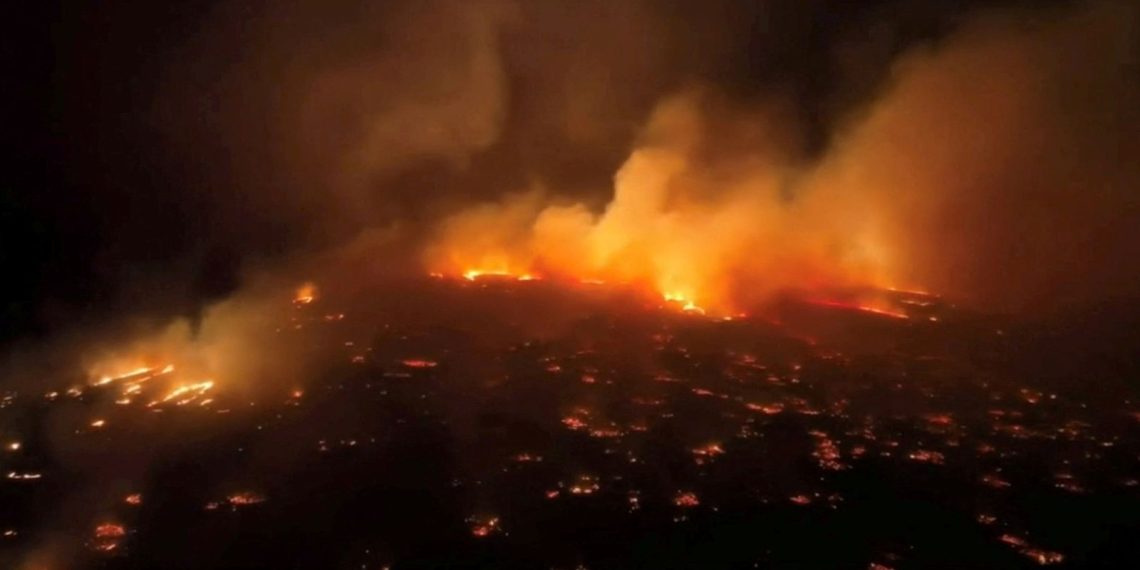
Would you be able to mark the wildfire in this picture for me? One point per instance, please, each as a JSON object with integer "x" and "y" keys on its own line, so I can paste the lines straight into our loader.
{"x": 107, "y": 537}
{"x": 110, "y": 530}
{"x": 869, "y": 309}
{"x": 184, "y": 394}
{"x": 134, "y": 376}
{"x": 245, "y": 499}
{"x": 702, "y": 238}
{"x": 585, "y": 485}
{"x": 800, "y": 499}
{"x": 686, "y": 304}
{"x": 686, "y": 500}
{"x": 306, "y": 293}
{"x": 482, "y": 527}
{"x": 473, "y": 274}
{"x": 710, "y": 450}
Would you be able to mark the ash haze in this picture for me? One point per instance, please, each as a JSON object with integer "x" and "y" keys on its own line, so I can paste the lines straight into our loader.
{"x": 714, "y": 151}
{"x": 343, "y": 257}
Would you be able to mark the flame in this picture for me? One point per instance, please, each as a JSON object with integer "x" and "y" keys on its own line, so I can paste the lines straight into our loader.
{"x": 871, "y": 309}
{"x": 306, "y": 293}
{"x": 244, "y": 499}
{"x": 473, "y": 274}
{"x": 110, "y": 530}
{"x": 709, "y": 240}
{"x": 184, "y": 394}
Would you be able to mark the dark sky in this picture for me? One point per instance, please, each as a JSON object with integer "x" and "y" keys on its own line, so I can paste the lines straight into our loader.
{"x": 155, "y": 149}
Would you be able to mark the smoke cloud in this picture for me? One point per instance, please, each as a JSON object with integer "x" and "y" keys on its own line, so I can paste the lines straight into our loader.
{"x": 991, "y": 167}
{"x": 717, "y": 152}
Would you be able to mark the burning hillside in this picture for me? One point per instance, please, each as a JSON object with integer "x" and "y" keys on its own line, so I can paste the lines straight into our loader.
{"x": 519, "y": 422}
{"x": 571, "y": 284}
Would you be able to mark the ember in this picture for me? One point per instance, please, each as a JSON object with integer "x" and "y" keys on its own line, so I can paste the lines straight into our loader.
{"x": 306, "y": 294}
{"x": 417, "y": 363}
{"x": 686, "y": 500}
{"x": 245, "y": 499}
{"x": 380, "y": 284}
{"x": 482, "y": 527}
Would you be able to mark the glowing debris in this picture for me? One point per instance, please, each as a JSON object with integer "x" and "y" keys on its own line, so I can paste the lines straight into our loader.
{"x": 110, "y": 530}
{"x": 484, "y": 526}
{"x": 585, "y": 485}
{"x": 107, "y": 537}
{"x": 769, "y": 409}
{"x": 800, "y": 499}
{"x": 710, "y": 450}
{"x": 1013, "y": 540}
{"x": 686, "y": 499}
{"x": 992, "y": 480}
{"x": 1043, "y": 557}
{"x": 826, "y": 452}
{"x": 244, "y": 499}
{"x": 1040, "y": 556}
{"x": 927, "y": 456}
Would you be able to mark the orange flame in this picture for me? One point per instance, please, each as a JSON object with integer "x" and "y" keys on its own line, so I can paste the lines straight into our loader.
{"x": 704, "y": 240}
{"x": 306, "y": 293}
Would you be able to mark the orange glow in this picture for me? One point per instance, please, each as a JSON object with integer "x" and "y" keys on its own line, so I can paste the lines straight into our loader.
{"x": 686, "y": 500}
{"x": 109, "y": 530}
{"x": 685, "y": 303}
{"x": 1043, "y": 557}
{"x": 244, "y": 499}
{"x": 306, "y": 293}
{"x": 482, "y": 527}
{"x": 131, "y": 376}
{"x": 862, "y": 308}
{"x": 419, "y": 363}
{"x": 184, "y": 394}
{"x": 704, "y": 239}
{"x": 108, "y": 379}
{"x": 800, "y": 499}
{"x": 473, "y": 274}
{"x": 770, "y": 409}
{"x": 712, "y": 450}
